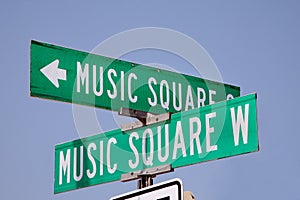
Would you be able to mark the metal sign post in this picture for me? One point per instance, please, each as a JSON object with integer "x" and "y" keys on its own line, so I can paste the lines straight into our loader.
{"x": 144, "y": 118}
{"x": 146, "y": 176}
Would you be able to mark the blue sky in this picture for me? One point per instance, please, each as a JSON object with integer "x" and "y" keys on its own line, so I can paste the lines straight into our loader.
{"x": 255, "y": 45}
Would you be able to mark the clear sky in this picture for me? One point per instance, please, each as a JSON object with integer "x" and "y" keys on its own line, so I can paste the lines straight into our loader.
{"x": 255, "y": 45}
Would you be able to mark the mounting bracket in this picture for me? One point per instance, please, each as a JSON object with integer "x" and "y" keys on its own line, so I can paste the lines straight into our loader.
{"x": 143, "y": 118}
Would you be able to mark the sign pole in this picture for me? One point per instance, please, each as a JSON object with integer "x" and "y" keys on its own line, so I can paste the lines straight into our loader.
{"x": 145, "y": 181}
{"x": 146, "y": 176}
{"x": 168, "y": 190}
{"x": 144, "y": 119}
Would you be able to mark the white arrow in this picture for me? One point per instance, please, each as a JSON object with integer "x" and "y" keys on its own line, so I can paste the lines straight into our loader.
{"x": 53, "y": 73}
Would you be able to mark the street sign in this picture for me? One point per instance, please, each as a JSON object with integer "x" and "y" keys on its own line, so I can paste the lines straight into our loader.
{"x": 211, "y": 132}
{"x": 73, "y": 76}
{"x": 169, "y": 190}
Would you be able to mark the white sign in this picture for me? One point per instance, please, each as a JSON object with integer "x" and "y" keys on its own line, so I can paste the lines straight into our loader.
{"x": 169, "y": 190}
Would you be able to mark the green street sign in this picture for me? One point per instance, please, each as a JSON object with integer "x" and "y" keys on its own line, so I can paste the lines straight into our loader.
{"x": 211, "y": 132}
{"x": 73, "y": 76}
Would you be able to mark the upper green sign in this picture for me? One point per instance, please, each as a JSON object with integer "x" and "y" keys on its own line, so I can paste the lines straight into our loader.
{"x": 73, "y": 76}
{"x": 216, "y": 131}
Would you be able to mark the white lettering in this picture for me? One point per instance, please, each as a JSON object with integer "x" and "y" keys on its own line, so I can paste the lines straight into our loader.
{"x": 109, "y": 169}
{"x": 229, "y": 96}
{"x": 101, "y": 158}
{"x": 78, "y": 178}
{"x": 160, "y": 157}
{"x": 241, "y": 121}
{"x": 92, "y": 159}
{"x": 211, "y": 93}
{"x": 195, "y": 135}
{"x": 148, "y": 161}
{"x": 122, "y": 85}
{"x": 201, "y": 101}
{"x": 64, "y": 166}
{"x": 133, "y": 165}
{"x": 179, "y": 141}
{"x": 209, "y": 130}
{"x": 132, "y": 99}
{"x": 111, "y": 94}
{"x": 175, "y": 98}
{"x": 83, "y": 77}
{"x": 189, "y": 99}
{"x": 154, "y": 102}
{"x": 164, "y": 104}
{"x": 100, "y": 92}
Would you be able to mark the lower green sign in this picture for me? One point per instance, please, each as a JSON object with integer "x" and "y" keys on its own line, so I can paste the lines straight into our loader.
{"x": 212, "y": 132}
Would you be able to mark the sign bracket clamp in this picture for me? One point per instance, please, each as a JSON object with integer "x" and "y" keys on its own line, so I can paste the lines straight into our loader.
{"x": 143, "y": 118}
{"x": 146, "y": 176}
